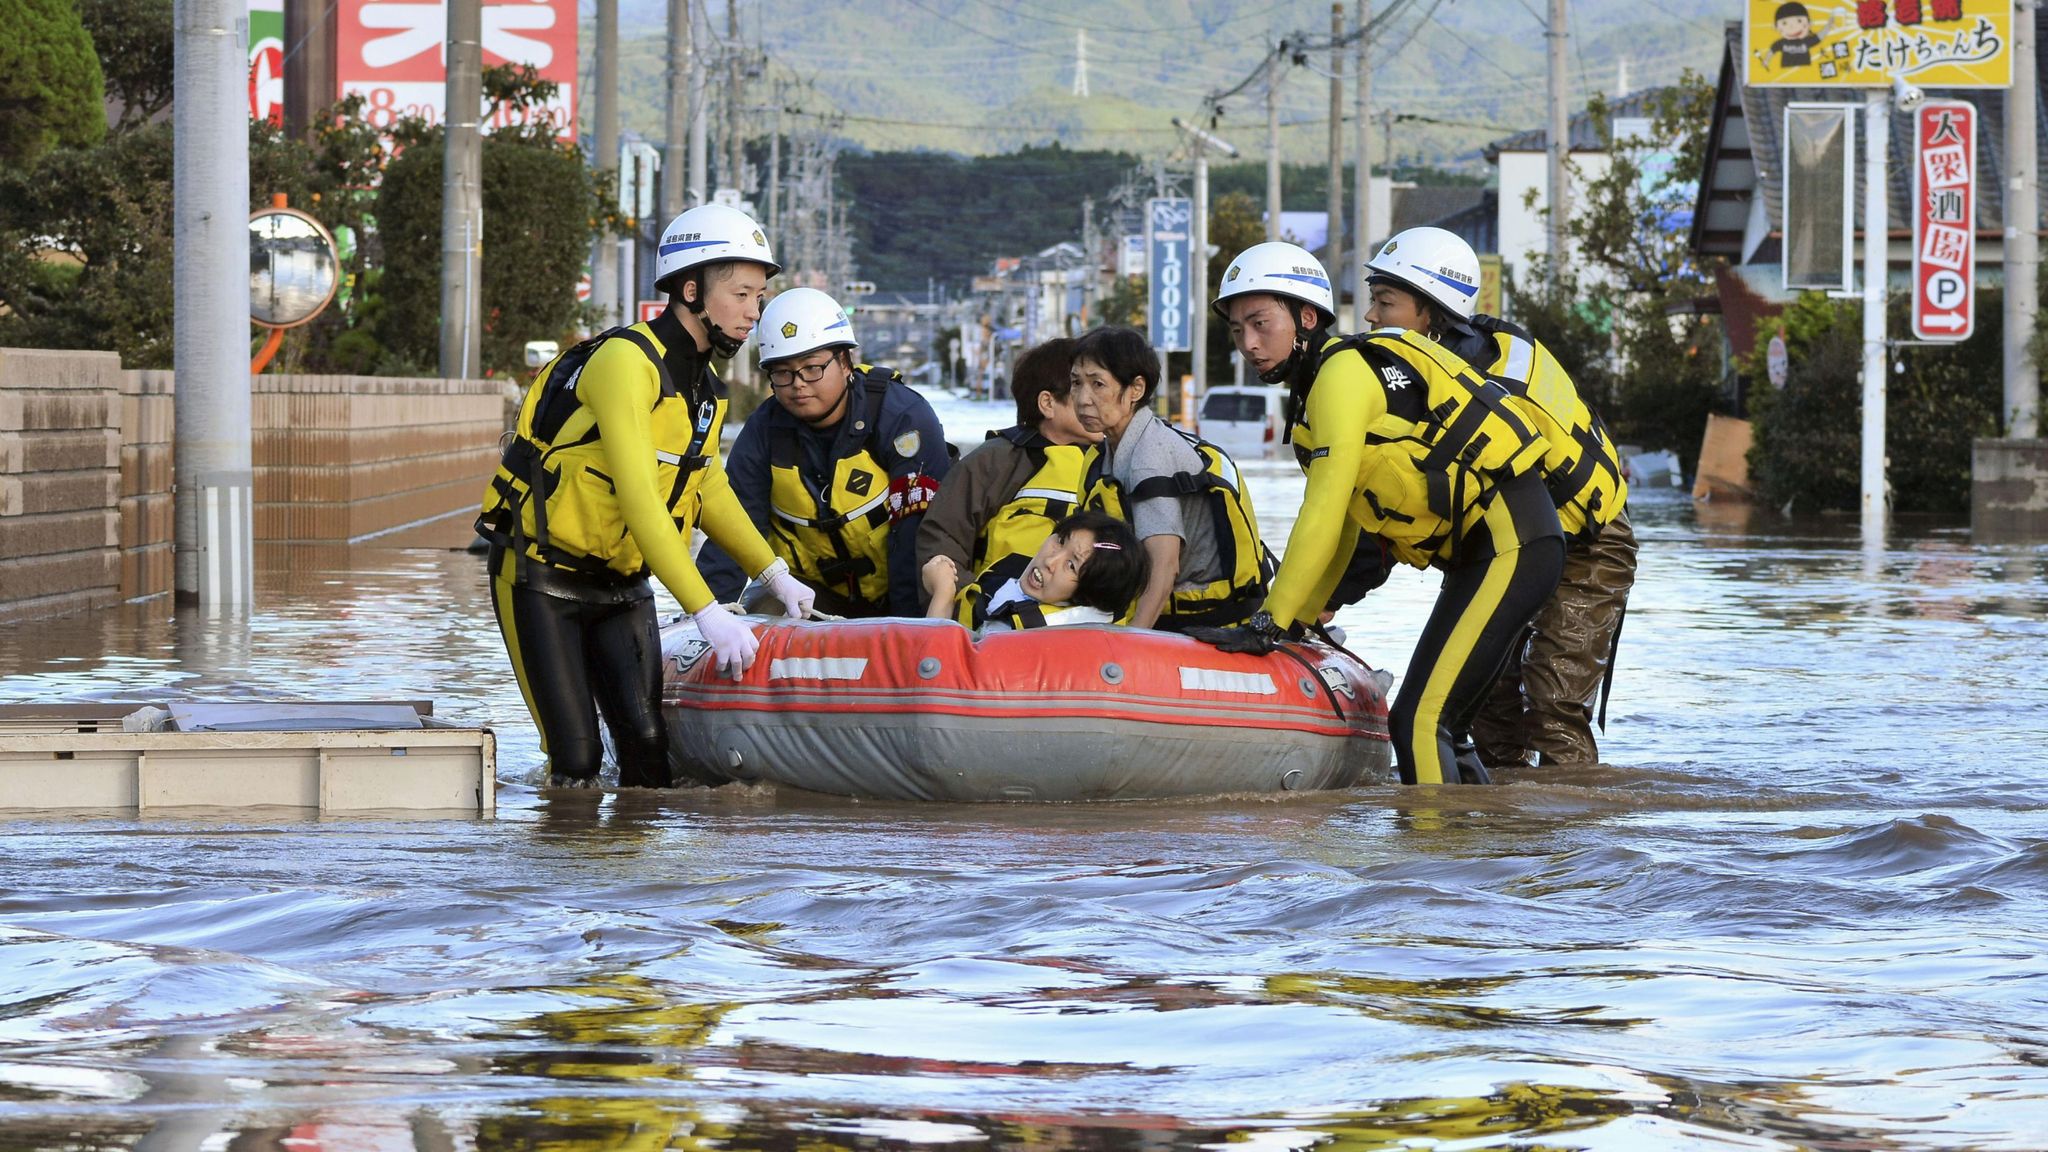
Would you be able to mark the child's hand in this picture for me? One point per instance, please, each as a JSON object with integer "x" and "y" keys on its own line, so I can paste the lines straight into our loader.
{"x": 941, "y": 581}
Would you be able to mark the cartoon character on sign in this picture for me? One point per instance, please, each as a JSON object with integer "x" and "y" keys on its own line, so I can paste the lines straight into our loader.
{"x": 1797, "y": 36}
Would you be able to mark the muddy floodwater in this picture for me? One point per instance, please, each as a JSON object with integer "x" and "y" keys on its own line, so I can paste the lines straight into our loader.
{"x": 1805, "y": 907}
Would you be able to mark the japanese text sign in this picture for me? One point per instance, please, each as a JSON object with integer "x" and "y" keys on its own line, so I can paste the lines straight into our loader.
{"x": 1944, "y": 220}
{"x": 1932, "y": 43}
{"x": 1167, "y": 240}
{"x": 393, "y": 54}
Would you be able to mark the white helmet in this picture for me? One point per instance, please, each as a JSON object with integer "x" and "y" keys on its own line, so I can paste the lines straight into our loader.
{"x": 1277, "y": 268}
{"x": 709, "y": 234}
{"x": 1434, "y": 264}
{"x": 803, "y": 320}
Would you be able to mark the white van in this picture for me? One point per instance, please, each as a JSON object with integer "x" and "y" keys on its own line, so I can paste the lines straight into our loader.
{"x": 1244, "y": 422}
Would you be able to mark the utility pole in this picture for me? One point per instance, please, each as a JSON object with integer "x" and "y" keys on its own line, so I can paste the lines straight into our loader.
{"x": 2022, "y": 234}
{"x": 1559, "y": 143}
{"x": 674, "y": 154}
{"x": 1333, "y": 259}
{"x": 1273, "y": 141}
{"x": 462, "y": 214}
{"x": 604, "y": 264}
{"x": 210, "y": 294}
{"x": 1093, "y": 259}
{"x": 309, "y": 34}
{"x": 1361, "y": 175}
{"x": 1877, "y": 139}
{"x": 1198, "y": 290}
{"x": 699, "y": 115}
{"x": 775, "y": 174}
{"x": 735, "y": 150}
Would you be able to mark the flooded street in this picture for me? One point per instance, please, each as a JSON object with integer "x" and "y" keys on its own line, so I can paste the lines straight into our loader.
{"x": 1806, "y": 907}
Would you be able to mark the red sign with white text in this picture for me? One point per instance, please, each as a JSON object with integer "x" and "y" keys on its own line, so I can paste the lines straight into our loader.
{"x": 1944, "y": 220}
{"x": 393, "y": 54}
{"x": 651, "y": 310}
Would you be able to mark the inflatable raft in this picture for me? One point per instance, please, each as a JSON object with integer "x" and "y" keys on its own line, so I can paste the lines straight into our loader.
{"x": 922, "y": 710}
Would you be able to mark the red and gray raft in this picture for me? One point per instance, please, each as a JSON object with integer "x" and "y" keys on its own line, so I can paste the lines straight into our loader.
{"x": 921, "y": 710}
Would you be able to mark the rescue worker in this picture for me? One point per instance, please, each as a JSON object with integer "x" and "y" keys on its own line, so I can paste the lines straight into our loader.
{"x": 837, "y": 467}
{"x": 1427, "y": 280}
{"x": 1181, "y": 494}
{"x": 1402, "y": 441}
{"x": 1005, "y": 497}
{"x": 613, "y": 463}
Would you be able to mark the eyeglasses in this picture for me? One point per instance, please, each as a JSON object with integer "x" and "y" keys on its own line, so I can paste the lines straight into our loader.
{"x": 808, "y": 373}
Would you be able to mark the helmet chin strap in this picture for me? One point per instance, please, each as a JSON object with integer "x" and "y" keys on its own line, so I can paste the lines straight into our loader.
{"x": 1283, "y": 371}
{"x": 722, "y": 344}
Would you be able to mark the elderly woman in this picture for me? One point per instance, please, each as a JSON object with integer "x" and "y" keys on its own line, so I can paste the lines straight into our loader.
{"x": 1181, "y": 494}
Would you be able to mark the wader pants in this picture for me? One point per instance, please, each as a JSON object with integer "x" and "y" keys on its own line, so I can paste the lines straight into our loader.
{"x": 1544, "y": 700}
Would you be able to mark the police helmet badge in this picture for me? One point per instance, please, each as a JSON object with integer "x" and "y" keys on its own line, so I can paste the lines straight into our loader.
{"x": 789, "y": 330}
{"x": 1232, "y": 274}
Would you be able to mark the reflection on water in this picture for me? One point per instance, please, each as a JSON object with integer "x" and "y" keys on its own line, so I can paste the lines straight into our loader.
{"x": 1803, "y": 907}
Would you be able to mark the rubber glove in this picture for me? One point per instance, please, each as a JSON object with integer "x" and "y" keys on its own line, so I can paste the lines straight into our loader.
{"x": 796, "y": 596}
{"x": 729, "y": 637}
{"x": 1257, "y": 636}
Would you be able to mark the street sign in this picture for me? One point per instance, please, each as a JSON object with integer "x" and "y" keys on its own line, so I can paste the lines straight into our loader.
{"x": 1819, "y": 204}
{"x": 391, "y": 53}
{"x": 266, "y": 61}
{"x": 650, "y": 309}
{"x": 1864, "y": 43}
{"x": 1944, "y": 220}
{"x": 1168, "y": 316}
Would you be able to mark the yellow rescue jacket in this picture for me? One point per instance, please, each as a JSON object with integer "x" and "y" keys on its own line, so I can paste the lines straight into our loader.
{"x": 1581, "y": 467}
{"x": 835, "y": 535}
{"x": 576, "y": 525}
{"x": 1013, "y": 535}
{"x": 1434, "y": 458}
{"x": 1247, "y": 564}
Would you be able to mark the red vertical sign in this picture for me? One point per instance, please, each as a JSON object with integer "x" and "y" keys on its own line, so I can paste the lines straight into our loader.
{"x": 1944, "y": 220}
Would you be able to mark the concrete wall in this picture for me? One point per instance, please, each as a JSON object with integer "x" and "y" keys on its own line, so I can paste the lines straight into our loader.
{"x": 350, "y": 459}
{"x": 60, "y": 460}
{"x": 86, "y": 502}
{"x": 2009, "y": 491}
{"x": 1523, "y": 232}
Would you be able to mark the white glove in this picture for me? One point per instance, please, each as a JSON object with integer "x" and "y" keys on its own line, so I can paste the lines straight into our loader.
{"x": 730, "y": 638}
{"x": 796, "y": 596}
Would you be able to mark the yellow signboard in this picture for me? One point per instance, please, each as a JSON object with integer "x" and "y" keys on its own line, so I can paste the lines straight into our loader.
{"x": 1865, "y": 43}
{"x": 1489, "y": 285}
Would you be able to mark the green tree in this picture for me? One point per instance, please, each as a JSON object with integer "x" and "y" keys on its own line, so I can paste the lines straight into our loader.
{"x": 134, "y": 43}
{"x": 541, "y": 211}
{"x": 1807, "y": 448}
{"x": 50, "y": 89}
{"x": 1619, "y": 317}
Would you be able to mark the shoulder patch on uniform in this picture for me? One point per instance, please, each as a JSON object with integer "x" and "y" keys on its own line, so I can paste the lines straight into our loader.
{"x": 1396, "y": 379}
{"x": 907, "y": 444}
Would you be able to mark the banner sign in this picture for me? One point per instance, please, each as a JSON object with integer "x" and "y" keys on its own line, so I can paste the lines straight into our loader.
{"x": 266, "y": 60}
{"x": 1864, "y": 43}
{"x": 1944, "y": 220}
{"x": 1167, "y": 239}
{"x": 392, "y": 53}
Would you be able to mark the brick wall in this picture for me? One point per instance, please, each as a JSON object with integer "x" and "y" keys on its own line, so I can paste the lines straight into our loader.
{"x": 87, "y": 514}
{"x": 60, "y": 476}
{"x": 350, "y": 459}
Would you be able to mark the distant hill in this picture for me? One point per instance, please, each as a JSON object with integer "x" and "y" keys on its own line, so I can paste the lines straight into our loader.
{"x": 988, "y": 76}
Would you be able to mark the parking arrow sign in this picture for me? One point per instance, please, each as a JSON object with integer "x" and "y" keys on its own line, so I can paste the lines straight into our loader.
{"x": 1944, "y": 220}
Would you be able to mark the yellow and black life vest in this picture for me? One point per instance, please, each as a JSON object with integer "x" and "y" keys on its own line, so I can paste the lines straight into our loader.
{"x": 1435, "y": 458}
{"x": 1013, "y": 535}
{"x": 1581, "y": 467}
{"x": 1018, "y": 616}
{"x": 835, "y": 535}
{"x": 577, "y": 526}
{"x": 1246, "y": 564}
